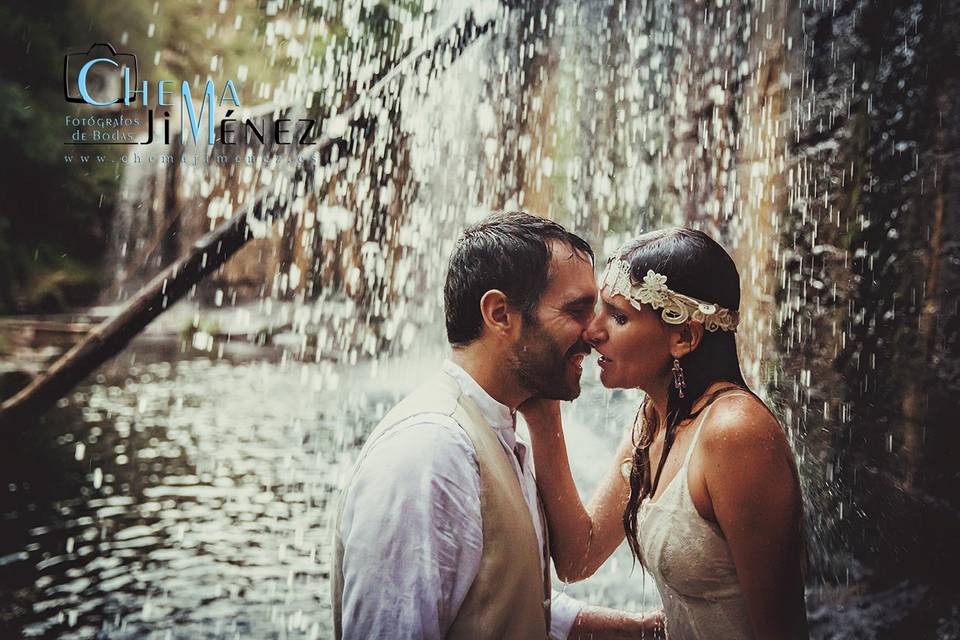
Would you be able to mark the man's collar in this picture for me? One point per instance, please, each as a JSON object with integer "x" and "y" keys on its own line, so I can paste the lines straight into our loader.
{"x": 497, "y": 414}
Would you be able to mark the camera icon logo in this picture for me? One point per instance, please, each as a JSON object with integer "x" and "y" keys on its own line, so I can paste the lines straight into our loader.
{"x": 96, "y": 76}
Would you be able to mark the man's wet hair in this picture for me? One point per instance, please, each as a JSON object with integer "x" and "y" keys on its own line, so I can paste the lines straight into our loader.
{"x": 507, "y": 251}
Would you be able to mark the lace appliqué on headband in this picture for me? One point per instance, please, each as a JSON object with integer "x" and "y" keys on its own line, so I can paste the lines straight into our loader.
{"x": 677, "y": 308}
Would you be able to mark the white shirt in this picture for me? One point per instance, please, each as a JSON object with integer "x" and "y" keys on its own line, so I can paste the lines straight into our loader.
{"x": 412, "y": 530}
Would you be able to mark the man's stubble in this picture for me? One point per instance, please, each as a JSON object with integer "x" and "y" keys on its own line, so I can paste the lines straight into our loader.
{"x": 540, "y": 364}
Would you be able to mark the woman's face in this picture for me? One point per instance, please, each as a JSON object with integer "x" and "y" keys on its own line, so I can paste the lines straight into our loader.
{"x": 634, "y": 345}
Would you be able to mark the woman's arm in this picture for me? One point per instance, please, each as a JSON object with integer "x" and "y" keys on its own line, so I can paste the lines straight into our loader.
{"x": 581, "y": 538}
{"x": 754, "y": 491}
{"x": 601, "y": 623}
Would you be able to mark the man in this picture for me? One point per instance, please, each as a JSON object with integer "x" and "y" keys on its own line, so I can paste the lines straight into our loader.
{"x": 440, "y": 533}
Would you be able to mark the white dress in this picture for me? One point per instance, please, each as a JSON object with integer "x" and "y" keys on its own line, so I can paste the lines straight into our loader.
{"x": 691, "y": 563}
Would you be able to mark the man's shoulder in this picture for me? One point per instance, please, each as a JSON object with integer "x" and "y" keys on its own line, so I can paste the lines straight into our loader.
{"x": 438, "y": 395}
{"x": 418, "y": 452}
{"x": 422, "y": 435}
{"x": 426, "y": 422}
{"x": 419, "y": 462}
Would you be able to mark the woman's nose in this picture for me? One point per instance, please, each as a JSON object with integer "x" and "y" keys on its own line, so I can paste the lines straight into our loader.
{"x": 595, "y": 334}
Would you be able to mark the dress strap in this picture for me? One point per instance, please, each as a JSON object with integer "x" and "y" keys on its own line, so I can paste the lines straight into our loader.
{"x": 702, "y": 419}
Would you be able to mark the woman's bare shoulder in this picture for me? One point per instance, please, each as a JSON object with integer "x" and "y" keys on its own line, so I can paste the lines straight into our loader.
{"x": 740, "y": 423}
{"x": 748, "y": 461}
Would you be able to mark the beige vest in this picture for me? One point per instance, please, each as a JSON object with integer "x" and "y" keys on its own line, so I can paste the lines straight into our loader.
{"x": 510, "y": 596}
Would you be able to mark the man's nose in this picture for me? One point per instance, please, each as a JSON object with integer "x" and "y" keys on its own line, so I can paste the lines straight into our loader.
{"x": 588, "y": 319}
{"x": 594, "y": 334}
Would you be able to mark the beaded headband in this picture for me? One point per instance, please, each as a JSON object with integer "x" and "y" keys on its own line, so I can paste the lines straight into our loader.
{"x": 677, "y": 308}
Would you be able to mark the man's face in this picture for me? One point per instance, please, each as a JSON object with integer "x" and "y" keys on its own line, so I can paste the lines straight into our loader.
{"x": 549, "y": 354}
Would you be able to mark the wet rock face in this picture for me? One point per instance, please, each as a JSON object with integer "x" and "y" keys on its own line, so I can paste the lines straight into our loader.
{"x": 875, "y": 253}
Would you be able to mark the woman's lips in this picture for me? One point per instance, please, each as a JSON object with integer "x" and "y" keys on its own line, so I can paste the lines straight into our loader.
{"x": 603, "y": 361}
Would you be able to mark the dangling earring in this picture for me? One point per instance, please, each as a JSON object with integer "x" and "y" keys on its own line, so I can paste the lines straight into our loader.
{"x": 678, "y": 380}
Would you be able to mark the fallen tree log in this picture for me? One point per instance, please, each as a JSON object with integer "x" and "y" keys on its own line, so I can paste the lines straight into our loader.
{"x": 214, "y": 249}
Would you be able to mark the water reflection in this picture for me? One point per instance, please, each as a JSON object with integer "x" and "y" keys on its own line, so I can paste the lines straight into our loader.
{"x": 179, "y": 496}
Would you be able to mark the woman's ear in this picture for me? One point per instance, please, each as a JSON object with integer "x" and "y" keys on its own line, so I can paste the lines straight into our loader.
{"x": 685, "y": 338}
{"x": 498, "y": 316}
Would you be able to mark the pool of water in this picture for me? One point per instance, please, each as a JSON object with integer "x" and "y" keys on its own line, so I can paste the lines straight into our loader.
{"x": 176, "y": 495}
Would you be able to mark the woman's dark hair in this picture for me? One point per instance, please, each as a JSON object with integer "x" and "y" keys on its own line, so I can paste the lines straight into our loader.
{"x": 695, "y": 265}
{"x": 505, "y": 251}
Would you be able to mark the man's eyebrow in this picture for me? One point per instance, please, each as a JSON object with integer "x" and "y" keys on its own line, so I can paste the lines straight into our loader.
{"x": 583, "y": 301}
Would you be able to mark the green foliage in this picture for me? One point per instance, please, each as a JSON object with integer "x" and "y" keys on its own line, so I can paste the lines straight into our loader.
{"x": 54, "y": 216}
{"x": 51, "y": 218}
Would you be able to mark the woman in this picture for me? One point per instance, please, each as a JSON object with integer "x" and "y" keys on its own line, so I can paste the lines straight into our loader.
{"x": 704, "y": 486}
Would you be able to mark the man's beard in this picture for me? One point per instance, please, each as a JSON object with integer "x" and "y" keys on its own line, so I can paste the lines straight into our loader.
{"x": 541, "y": 365}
